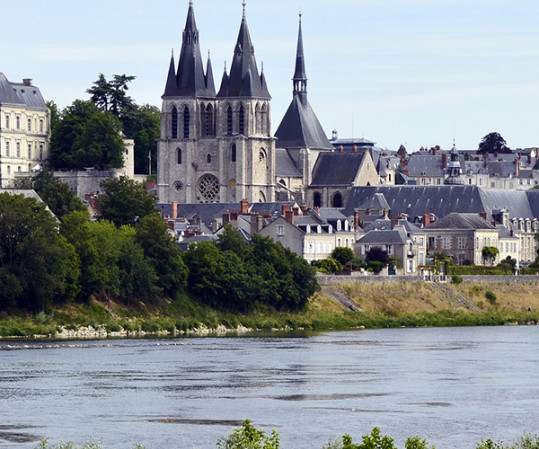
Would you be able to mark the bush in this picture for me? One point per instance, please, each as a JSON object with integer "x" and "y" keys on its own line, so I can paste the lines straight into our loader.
{"x": 150, "y": 326}
{"x": 456, "y": 279}
{"x": 491, "y": 297}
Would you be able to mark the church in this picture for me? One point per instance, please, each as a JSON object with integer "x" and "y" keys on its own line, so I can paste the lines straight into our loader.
{"x": 217, "y": 146}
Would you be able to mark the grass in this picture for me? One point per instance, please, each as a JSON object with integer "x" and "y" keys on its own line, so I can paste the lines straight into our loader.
{"x": 402, "y": 304}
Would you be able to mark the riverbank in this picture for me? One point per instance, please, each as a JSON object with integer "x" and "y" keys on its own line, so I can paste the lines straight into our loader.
{"x": 339, "y": 305}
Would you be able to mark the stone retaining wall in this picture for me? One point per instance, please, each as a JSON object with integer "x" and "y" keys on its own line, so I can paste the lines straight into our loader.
{"x": 326, "y": 279}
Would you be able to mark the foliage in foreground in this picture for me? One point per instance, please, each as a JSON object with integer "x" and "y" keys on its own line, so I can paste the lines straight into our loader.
{"x": 249, "y": 437}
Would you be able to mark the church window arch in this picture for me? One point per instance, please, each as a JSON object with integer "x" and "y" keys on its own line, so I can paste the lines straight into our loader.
{"x": 186, "y": 122}
{"x": 210, "y": 123}
{"x": 208, "y": 158}
{"x": 264, "y": 120}
{"x": 258, "y": 119}
{"x": 229, "y": 120}
{"x": 317, "y": 199}
{"x": 233, "y": 154}
{"x": 174, "y": 123}
{"x": 179, "y": 156}
{"x": 282, "y": 182}
{"x": 262, "y": 155}
{"x": 337, "y": 200}
{"x": 262, "y": 198}
{"x": 242, "y": 120}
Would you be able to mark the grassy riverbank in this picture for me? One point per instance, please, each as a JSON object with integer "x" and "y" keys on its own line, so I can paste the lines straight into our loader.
{"x": 338, "y": 306}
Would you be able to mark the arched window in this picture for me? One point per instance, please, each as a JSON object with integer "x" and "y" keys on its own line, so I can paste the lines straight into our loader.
{"x": 233, "y": 153}
{"x": 337, "y": 200}
{"x": 186, "y": 123}
{"x": 242, "y": 120}
{"x": 179, "y": 151}
{"x": 258, "y": 119}
{"x": 262, "y": 155}
{"x": 210, "y": 121}
{"x": 208, "y": 158}
{"x": 264, "y": 120}
{"x": 317, "y": 200}
{"x": 174, "y": 123}
{"x": 229, "y": 122}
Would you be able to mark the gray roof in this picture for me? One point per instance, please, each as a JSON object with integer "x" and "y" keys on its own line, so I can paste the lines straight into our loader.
{"x": 375, "y": 202}
{"x": 272, "y": 209}
{"x": 206, "y": 211}
{"x": 244, "y": 80}
{"x": 190, "y": 79}
{"x": 389, "y": 237}
{"x": 20, "y": 94}
{"x": 425, "y": 165}
{"x": 300, "y": 128}
{"x": 285, "y": 166}
{"x": 336, "y": 169}
{"x": 461, "y": 221}
{"x": 414, "y": 201}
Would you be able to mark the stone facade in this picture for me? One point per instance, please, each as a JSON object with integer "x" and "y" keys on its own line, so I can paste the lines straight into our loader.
{"x": 215, "y": 147}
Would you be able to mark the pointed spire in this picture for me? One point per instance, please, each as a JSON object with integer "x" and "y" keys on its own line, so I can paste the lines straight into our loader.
{"x": 190, "y": 78}
{"x": 300, "y": 77}
{"x": 171, "y": 86}
{"x": 244, "y": 62}
{"x": 210, "y": 84}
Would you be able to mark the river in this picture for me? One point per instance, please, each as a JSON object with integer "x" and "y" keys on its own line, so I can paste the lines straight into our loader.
{"x": 452, "y": 386}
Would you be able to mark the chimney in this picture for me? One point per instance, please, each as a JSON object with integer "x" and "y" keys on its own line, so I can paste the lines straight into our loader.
{"x": 199, "y": 222}
{"x": 530, "y": 158}
{"x": 296, "y": 211}
{"x": 304, "y": 208}
{"x": 368, "y": 211}
{"x": 354, "y": 148}
{"x": 290, "y": 216}
{"x": 341, "y": 149}
{"x": 226, "y": 217}
{"x": 244, "y": 206}
{"x": 284, "y": 209}
{"x": 174, "y": 209}
{"x": 511, "y": 232}
{"x": 257, "y": 223}
{"x": 27, "y": 81}
{"x": 356, "y": 220}
{"x": 444, "y": 160}
{"x": 214, "y": 225}
{"x": 234, "y": 215}
{"x": 483, "y": 215}
{"x": 426, "y": 219}
{"x": 172, "y": 225}
{"x": 386, "y": 214}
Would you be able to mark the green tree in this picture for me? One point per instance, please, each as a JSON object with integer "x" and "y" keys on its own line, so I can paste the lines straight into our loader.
{"x": 329, "y": 266}
{"x": 86, "y": 137}
{"x": 111, "y": 95}
{"x": 37, "y": 265}
{"x": 249, "y": 437}
{"x": 162, "y": 253}
{"x": 342, "y": 255}
{"x": 124, "y": 201}
{"x": 489, "y": 254}
{"x": 493, "y": 143}
{"x": 377, "y": 254}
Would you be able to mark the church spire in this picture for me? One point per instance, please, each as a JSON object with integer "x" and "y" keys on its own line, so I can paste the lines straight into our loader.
{"x": 190, "y": 78}
{"x": 300, "y": 77}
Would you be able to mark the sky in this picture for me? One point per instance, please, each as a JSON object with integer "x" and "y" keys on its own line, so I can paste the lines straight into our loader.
{"x": 412, "y": 72}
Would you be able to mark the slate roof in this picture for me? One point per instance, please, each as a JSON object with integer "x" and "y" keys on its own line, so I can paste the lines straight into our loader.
{"x": 336, "y": 169}
{"x": 244, "y": 80}
{"x": 20, "y": 94}
{"x": 272, "y": 209}
{"x": 375, "y": 202}
{"x": 285, "y": 166}
{"x": 389, "y": 237}
{"x": 206, "y": 211}
{"x": 442, "y": 200}
{"x": 190, "y": 80}
{"x": 461, "y": 221}
{"x": 425, "y": 165}
{"x": 300, "y": 128}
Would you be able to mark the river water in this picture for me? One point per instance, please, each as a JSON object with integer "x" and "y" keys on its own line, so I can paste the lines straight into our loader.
{"x": 452, "y": 386}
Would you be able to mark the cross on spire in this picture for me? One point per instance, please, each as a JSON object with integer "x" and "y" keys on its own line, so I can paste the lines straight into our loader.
{"x": 244, "y": 5}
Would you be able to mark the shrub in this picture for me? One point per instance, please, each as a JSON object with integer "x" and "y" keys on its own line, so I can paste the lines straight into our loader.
{"x": 150, "y": 326}
{"x": 491, "y": 297}
{"x": 456, "y": 279}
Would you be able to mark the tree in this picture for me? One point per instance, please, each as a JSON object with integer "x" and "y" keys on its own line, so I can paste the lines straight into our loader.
{"x": 249, "y": 437}
{"x": 111, "y": 96}
{"x": 86, "y": 137}
{"x": 489, "y": 253}
{"x": 162, "y": 253}
{"x": 342, "y": 255}
{"x": 377, "y": 254}
{"x": 493, "y": 143}
{"x": 124, "y": 201}
{"x": 37, "y": 265}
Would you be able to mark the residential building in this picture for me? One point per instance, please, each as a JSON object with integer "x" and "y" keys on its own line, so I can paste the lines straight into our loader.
{"x": 24, "y": 129}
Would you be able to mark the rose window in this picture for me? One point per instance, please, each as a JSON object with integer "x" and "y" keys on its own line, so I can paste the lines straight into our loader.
{"x": 178, "y": 185}
{"x": 208, "y": 188}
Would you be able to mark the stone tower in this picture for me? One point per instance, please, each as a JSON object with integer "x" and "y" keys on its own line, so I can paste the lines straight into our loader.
{"x": 215, "y": 147}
